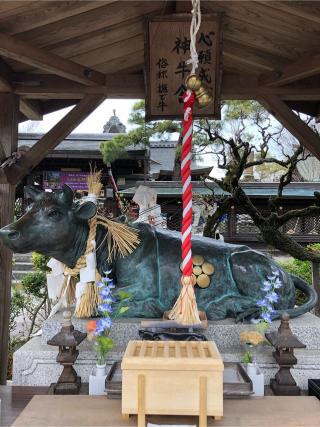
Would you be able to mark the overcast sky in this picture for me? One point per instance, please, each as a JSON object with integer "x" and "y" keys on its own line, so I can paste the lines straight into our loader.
{"x": 93, "y": 124}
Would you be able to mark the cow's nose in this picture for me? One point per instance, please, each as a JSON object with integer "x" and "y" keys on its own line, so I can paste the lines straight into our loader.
{"x": 9, "y": 233}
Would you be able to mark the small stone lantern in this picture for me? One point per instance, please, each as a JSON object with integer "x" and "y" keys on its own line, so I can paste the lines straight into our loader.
{"x": 67, "y": 340}
{"x": 284, "y": 342}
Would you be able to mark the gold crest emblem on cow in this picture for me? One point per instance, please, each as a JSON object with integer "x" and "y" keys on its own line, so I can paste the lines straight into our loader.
{"x": 202, "y": 271}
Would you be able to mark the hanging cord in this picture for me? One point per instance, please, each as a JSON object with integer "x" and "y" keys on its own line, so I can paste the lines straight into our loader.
{"x": 194, "y": 28}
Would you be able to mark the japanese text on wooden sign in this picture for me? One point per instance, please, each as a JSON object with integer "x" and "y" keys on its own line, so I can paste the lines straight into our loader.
{"x": 168, "y": 49}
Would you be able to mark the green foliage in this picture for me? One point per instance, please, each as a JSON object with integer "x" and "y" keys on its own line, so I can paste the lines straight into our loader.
{"x": 40, "y": 262}
{"x": 114, "y": 149}
{"x": 103, "y": 345}
{"x": 247, "y": 357}
{"x": 16, "y": 306}
{"x": 35, "y": 284}
{"x": 123, "y": 295}
{"x": 302, "y": 269}
{"x": 249, "y": 110}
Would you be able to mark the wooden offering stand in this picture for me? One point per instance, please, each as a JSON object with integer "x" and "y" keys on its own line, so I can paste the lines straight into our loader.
{"x": 172, "y": 378}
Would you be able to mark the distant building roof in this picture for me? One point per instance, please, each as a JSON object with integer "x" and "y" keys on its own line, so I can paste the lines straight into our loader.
{"x": 82, "y": 145}
{"x": 295, "y": 190}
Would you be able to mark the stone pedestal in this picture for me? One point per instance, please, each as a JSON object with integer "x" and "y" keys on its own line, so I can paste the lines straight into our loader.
{"x": 34, "y": 363}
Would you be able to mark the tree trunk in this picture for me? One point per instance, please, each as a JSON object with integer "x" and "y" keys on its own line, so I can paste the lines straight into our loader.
{"x": 213, "y": 221}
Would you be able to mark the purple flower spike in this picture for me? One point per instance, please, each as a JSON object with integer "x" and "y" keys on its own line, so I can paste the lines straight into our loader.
{"x": 266, "y": 317}
{"x": 105, "y": 308}
{"x": 272, "y": 297}
{"x": 103, "y": 324}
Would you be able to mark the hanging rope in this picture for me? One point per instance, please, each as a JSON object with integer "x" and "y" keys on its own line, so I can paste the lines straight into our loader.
{"x": 185, "y": 309}
{"x": 194, "y": 28}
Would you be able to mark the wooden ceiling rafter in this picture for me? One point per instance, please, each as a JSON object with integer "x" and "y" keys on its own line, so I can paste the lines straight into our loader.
{"x": 11, "y": 47}
{"x": 99, "y": 38}
{"x": 309, "y": 11}
{"x": 75, "y": 26}
{"x": 43, "y": 13}
{"x": 31, "y": 109}
{"x": 266, "y": 18}
{"x": 302, "y": 68}
{"x": 103, "y": 54}
{"x": 14, "y": 173}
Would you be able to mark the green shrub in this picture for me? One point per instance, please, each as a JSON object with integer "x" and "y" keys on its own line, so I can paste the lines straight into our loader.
{"x": 40, "y": 262}
{"x": 302, "y": 269}
{"x": 35, "y": 284}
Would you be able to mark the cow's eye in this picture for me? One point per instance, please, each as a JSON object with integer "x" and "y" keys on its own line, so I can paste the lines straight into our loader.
{"x": 55, "y": 215}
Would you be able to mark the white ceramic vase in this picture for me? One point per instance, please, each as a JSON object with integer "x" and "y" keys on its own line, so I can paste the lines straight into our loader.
{"x": 97, "y": 380}
{"x": 257, "y": 378}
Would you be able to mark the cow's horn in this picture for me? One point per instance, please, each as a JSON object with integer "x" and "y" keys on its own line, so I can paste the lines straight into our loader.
{"x": 33, "y": 192}
{"x": 65, "y": 195}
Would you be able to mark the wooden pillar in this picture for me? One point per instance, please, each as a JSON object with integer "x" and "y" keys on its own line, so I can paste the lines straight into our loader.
{"x": 8, "y": 142}
{"x": 316, "y": 285}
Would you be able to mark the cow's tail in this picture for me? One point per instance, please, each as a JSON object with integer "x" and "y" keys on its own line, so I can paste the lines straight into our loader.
{"x": 309, "y": 291}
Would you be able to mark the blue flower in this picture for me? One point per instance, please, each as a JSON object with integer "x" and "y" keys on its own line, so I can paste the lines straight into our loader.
{"x": 104, "y": 292}
{"x": 103, "y": 324}
{"x": 100, "y": 284}
{"x": 262, "y": 302}
{"x": 272, "y": 297}
{"x": 267, "y": 286}
{"x": 107, "y": 280}
{"x": 266, "y": 317}
{"x": 104, "y": 307}
{"x": 277, "y": 283}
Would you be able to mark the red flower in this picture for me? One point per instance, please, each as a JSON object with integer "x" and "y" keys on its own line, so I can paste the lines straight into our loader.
{"x": 91, "y": 326}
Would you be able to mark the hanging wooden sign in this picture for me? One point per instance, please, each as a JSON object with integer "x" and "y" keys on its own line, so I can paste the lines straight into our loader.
{"x": 167, "y": 51}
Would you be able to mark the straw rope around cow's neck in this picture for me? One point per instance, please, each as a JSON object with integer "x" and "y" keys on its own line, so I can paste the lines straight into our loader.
{"x": 120, "y": 239}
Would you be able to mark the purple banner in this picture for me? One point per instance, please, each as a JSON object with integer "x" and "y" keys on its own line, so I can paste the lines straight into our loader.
{"x": 75, "y": 180}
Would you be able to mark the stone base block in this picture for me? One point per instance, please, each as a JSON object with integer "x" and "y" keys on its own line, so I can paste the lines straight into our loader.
{"x": 224, "y": 332}
{"x": 35, "y": 363}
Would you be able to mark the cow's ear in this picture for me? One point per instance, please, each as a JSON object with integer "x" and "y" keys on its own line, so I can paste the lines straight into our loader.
{"x": 65, "y": 195}
{"x": 85, "y": 211}
{"x": 33, "y": 192}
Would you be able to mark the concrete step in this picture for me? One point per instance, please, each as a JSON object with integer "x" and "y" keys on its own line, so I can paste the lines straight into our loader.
{"x": 18, "y": 275}
{"x": 22, "y": 266}
{"x": 22, "y": 257}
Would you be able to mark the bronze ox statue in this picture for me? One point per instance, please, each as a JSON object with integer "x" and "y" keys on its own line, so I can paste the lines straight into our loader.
{"x": 57, "y": 226}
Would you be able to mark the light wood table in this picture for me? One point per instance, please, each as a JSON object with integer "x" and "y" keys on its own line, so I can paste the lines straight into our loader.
{"x": 79, "y": 411}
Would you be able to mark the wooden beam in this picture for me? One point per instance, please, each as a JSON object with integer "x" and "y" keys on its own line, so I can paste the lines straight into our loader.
{"x": 5, "y": 77}
{"x": 16, "y": 49}
{"x": 44, "y": 13}
{"x": 44, "y": 86}
{"x": 8, "y": 141}
{"x": 118, "y": 85}
{"x": 93, "y": 20}
{"x": 305, "y": 67}
{"x": 50, "y": 140}
{"x": 292, "y": 123}
{"x": 31, "y": 109}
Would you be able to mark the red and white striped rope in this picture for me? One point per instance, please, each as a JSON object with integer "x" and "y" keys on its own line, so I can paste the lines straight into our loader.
{"x": 188, "y": 100}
